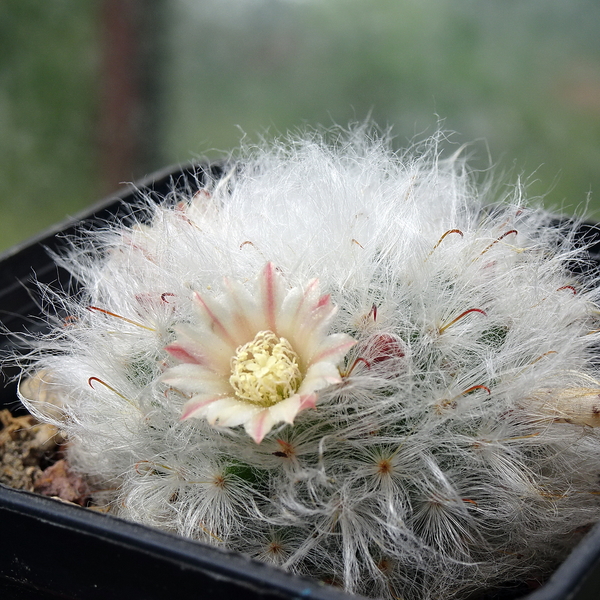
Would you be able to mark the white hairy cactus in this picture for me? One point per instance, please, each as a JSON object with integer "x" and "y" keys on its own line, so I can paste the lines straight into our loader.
{"x": 349, "y": 362}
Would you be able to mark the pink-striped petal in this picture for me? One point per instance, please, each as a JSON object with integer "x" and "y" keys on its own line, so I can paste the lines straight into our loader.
{"x": 333, "y": 348}
{"x": 324, "y": 301}
{"x": 308, "y": 401}
{"x": 286, "y": 410}
{"x": 196, "y": 406}
{"x": 322, "y": 310}
{"x": 318, "y": 376}
{"x": 194, "y": 379}
{"x": 187, "y": 356}
{"x": 259, "y": 425}
{"x": 270, "y": 288}
{"x": 228, "y": 412}
{"x": 296, "y": 304}
{"x": 245, "y": 314}
{"x": 204, "y": 346}
{"x": 301, "y": 316}
{"x": 217, "y": 325}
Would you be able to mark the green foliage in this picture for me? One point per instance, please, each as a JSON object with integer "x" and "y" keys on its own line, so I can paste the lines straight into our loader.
{"x": 245, "y": 472}
{"x": 142, "y": 370}
{"x": 495, "y": 336}
{"x": 522, "y": 78}
{"x": 48, "y": 98}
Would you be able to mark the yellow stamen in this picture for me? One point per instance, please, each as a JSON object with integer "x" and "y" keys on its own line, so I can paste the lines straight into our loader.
{"x": 265, "y": 371}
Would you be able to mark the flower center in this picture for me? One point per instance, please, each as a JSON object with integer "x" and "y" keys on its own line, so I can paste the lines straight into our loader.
{"x": 265, "y": 371}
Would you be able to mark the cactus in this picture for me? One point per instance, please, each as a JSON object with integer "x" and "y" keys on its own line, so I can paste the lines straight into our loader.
{"x": 350, "y": 362}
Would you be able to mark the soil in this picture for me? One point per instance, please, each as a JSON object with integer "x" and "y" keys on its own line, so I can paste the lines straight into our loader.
{"x": 32, "y": 459}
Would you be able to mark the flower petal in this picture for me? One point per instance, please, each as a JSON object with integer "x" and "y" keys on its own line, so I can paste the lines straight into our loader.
{"x": 333, "y": 348}
{"x": 218, "y": 324}
{"x": 204, "y": 346}
{"x": 208, "y": 347}
{"x": 318, "y": 376}
{"x": 187, "y": 356}
{"x": 229, "y": 412}
{"x": 245, "y": 312}
{"x": 308, "y": 401}
{"x": 295, "y": 305}
{"x": 259, "y": 425}
{"x": 197, "y": 405}
{"x": 271, "y": 291}
{"x": 286, "y": 410}
{"x": 320, "y": 312}
{"x": 194, "y": 379}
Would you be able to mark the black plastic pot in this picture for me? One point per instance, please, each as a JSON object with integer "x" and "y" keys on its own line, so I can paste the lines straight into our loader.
{"x": 49, "y": 549}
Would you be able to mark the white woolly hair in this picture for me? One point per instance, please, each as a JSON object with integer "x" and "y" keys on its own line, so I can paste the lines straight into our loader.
{"x": 460, "y": 458}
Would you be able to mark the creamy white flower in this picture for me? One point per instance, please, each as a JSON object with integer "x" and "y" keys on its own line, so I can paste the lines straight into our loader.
{"x": 257, "y": 359}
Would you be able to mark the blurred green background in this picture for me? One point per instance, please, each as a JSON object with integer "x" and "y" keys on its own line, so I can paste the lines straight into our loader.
{"x": 98, "y": 92}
